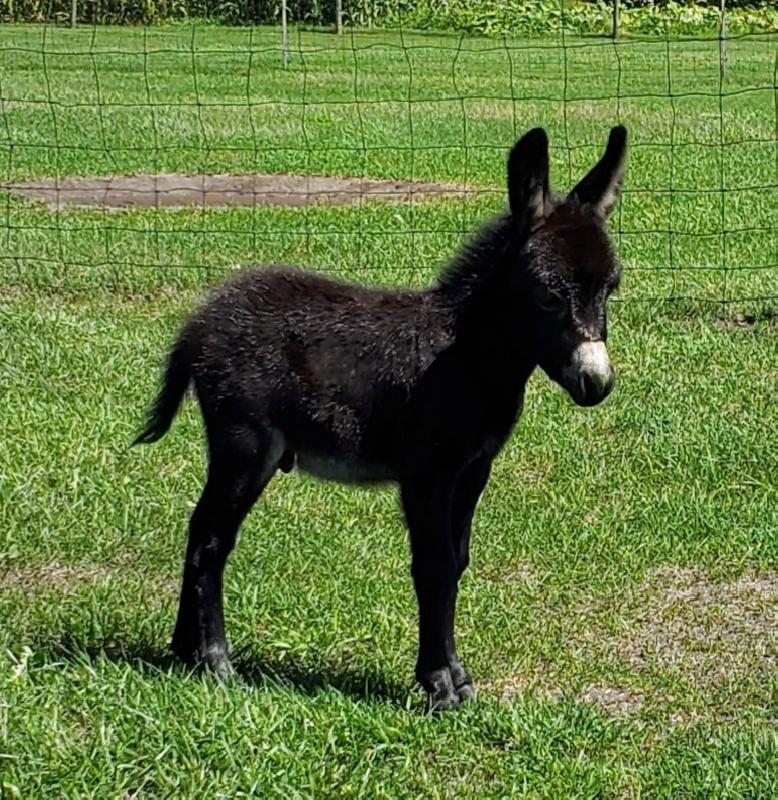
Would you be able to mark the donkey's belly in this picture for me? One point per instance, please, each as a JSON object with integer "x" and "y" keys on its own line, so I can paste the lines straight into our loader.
{"x": 343, "y": 469}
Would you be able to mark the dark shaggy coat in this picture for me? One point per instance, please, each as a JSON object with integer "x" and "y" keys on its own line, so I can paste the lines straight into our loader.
{"x": 417, "y": 387}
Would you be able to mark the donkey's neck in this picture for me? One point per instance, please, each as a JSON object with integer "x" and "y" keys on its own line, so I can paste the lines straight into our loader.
{"x": 475, "y": 287}
{"x": 478, "y": 263}
{"x": 474, "y": 290}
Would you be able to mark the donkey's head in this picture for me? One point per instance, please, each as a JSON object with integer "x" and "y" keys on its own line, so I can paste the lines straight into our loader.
{"x": 569, "y": 267}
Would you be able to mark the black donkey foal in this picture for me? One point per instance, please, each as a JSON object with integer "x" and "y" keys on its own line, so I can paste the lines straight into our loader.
{"x": 417, "y": 387}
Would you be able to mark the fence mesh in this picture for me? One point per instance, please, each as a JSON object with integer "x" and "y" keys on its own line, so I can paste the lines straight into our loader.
{"x": 372, "y": 153}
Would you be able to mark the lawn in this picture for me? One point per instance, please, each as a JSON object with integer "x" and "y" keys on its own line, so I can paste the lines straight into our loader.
{"x": 620, "y": 614}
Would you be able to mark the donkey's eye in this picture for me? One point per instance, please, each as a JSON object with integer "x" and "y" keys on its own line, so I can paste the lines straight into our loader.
{"x": 551, "y": 301}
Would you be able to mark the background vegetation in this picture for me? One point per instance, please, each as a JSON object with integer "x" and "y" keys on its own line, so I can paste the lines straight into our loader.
{"x": 472, "y": 16}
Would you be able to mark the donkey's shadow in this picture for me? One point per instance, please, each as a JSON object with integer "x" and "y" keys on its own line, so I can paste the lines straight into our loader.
{"x": 252, "y": 668}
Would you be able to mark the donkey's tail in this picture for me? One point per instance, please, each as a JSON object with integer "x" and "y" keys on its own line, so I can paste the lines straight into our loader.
{"x": 175, "y": 382}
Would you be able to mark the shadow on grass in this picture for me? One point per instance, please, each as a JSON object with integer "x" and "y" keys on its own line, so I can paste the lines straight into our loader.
{"x": 255, "y": 669}
{"x": 359, "y": 684}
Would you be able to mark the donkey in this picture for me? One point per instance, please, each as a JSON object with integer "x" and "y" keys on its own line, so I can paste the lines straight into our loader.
{"x": 419, "y": 388}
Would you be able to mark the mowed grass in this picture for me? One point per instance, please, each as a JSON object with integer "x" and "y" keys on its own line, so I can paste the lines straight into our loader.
{"x": 697, "y": 220}
{"x": 620, "y": 613}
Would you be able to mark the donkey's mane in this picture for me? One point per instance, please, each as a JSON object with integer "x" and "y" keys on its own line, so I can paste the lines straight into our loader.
{"x": 479, "y": 259}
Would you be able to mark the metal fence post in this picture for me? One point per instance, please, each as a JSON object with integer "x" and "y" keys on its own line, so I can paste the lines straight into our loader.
{"x": 284, "y": 36}
{"x": 73, "y": 12}
{"x": 339, "y": 17}
{"x": 615, "y": 19}
{"x": 723, "y": 38}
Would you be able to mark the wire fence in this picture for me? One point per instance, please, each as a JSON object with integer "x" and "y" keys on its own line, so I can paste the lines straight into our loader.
{"x": 148, "y": 157}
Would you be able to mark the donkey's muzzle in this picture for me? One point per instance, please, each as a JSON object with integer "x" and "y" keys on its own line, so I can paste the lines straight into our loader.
{"x": 590, "y": 376}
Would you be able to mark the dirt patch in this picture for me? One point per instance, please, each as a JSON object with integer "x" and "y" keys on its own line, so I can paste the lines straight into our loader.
{"x": 743, "y": 322}
{"x": 514, "y": 574}
{"x": 764, "y": 321}
{"x": 80, "y": 297}
{"x": 614, "y": 701}
{"x": 683, "y": 621}
{"x": 534, "y": 683}
{"x": 67, "y": 578}
{"x": 59, "y": 577}
{"x": 174, "y": 190}
{"x": 720, "y": 638}
{"x": 532, "y": 477}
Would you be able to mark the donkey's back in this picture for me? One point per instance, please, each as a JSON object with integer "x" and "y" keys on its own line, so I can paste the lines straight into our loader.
{"x": 322, "y": 368}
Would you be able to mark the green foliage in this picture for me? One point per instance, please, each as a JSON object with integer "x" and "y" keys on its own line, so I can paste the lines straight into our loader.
{"x": 545, "y": 16}
{"x": 102, "y": 11}
{"x": 471, "y": 16}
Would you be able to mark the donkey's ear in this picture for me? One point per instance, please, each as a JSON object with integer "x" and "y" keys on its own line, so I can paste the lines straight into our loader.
{"x": 528, "y": 192}
{"x": 600, "y": 189}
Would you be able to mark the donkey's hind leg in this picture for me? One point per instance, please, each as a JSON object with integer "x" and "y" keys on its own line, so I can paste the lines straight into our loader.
{"x": 242, "y": 461}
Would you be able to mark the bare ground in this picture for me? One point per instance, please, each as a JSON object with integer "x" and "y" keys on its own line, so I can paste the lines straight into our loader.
{"x": 178, "y": 190}
{"x": 710, "y": 634}
{"x": 62, "y": 578}
{"x": 67, "y": 578}
{"x": 707, "y": 630}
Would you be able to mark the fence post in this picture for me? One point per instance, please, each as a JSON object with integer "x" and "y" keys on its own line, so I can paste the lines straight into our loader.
{"x": 339, "y": 17}
{"x": 615, "y": 19}
{"x": 73, "y": 12}
{"x": 723, "y": 38}
{"x": 284, "y": 36}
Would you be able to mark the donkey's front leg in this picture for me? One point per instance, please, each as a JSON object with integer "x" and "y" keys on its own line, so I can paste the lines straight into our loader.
{"x": 427, "y": 503}
{"x": 469, "y": 486}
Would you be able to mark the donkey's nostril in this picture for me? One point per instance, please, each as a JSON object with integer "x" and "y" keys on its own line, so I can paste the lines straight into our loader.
{"x": 596, "y": 384}
{"x": 589, "y": 385}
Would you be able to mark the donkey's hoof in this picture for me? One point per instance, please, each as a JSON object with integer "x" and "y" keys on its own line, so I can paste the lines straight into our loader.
{"x": 218, "y": 663}
{"x": 441, "y": 695}
{"x": 223, "y": 669}
{"x": 441, "y": 701}
{"x": 467, "y": 692}
{"x": 462, "y": 681}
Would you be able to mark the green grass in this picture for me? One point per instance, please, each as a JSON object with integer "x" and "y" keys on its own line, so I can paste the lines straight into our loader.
{"x": 620, "y": 611}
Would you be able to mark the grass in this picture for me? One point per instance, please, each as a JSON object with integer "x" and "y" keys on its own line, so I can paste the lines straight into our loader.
{"x": 620, "y": 611}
